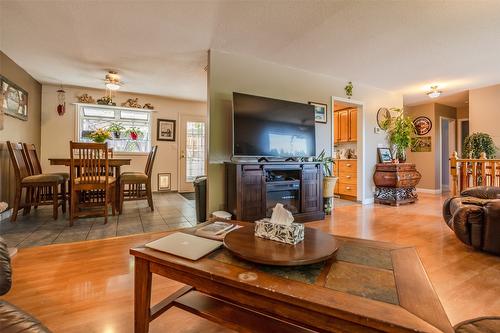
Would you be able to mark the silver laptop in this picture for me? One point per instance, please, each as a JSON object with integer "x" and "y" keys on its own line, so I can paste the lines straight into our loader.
{"x": 185, "y": 245}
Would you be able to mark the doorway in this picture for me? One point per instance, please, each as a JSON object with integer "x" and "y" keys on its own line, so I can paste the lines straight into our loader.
{"x": 192, "y": 156}
{"x": 448, "y": 128}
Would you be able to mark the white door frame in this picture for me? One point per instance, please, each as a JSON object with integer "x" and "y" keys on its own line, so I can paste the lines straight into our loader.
{"x": 440, "y": 149}
{"x": 360, "y": 145}
{"x": 182, "y": 133}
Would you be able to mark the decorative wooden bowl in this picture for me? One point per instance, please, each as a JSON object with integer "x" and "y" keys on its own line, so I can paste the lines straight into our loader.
{"x": 317, "y": 246}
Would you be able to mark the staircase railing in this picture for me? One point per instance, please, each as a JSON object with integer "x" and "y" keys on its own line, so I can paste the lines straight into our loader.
{"x": 469, "y": 172}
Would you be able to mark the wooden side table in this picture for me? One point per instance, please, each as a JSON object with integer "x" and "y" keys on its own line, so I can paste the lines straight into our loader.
{"x": 395, "y": 183}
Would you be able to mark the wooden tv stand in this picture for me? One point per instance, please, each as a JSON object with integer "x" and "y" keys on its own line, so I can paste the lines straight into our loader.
{"x": 254, "y": 187}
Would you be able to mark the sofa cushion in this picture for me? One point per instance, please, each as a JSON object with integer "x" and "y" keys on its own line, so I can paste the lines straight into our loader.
{"x": 15, "y": 320}
{"x": 479, "y": 325}
{"x": 482, "y": 192}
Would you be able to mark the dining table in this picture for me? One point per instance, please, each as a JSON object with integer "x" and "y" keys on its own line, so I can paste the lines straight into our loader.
{"x": 114, "y": 163}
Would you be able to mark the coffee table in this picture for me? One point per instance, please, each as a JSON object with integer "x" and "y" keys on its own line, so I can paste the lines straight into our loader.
{"x": 369, "y": 287}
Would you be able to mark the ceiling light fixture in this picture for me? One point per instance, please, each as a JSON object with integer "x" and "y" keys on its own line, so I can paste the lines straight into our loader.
{"x": 112, "y": 81}
{"x": 434, "y": 92}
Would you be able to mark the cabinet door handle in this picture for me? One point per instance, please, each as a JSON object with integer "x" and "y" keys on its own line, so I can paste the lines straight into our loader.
{"x": 347, "y": 187}
{"x": 348, "y": 177}
{"x": 348, "y": 165}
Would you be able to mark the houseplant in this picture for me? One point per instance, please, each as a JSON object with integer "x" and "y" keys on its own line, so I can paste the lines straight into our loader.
{"x": 134, "y": 133}
{"x": 100, "y": 135}
{"x": 329, "y": 180}
{"x": 399, "y": 132}
{"x": 477, "y": 143}
{"x": 116, "y": 129}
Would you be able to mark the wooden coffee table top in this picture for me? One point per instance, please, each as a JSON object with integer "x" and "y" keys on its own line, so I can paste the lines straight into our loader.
{"x": 316, "y": 247}
{"x": 373, "y": 284}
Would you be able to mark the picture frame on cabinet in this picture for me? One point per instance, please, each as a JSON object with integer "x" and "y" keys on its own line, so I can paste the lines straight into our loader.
{"x": 320, "y": 112}
{"x": 384, "y": 155}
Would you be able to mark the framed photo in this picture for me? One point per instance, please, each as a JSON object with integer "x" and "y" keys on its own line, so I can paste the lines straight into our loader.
{"x": 423, "y": 125}
{"x": 165, "y": 130}
{"x": 384, "y": 155}
{"x": 320, "y": 112}
{"x": 421, "y": 144}
{"x": 14, "y": 99}
{"x": 164, "y": 183}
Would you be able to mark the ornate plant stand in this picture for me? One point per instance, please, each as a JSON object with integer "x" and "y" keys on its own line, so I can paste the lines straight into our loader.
{"x": 395, "y": 183}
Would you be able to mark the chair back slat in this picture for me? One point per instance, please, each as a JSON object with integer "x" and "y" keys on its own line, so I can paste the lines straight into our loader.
{"x": 89, "y": 161}
{"x": 151, "y": 159}
{"x": 19, "y": 160}
{"x": 32, "y": 158}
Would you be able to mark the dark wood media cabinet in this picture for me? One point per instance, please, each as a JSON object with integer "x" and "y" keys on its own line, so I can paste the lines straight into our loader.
{"x": 253, "y": 188}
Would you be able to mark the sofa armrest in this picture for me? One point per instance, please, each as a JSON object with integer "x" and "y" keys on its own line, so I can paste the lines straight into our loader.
{"x": 467, "y": 222}
{"x": 491, "y": 227}
{"x": 5, "y": 268}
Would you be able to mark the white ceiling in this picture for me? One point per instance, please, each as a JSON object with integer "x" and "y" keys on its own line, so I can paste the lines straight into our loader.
{"x": 159, "y": 47}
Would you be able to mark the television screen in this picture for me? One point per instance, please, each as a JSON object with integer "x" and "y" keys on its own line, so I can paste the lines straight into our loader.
{"x": 273, "y": 128}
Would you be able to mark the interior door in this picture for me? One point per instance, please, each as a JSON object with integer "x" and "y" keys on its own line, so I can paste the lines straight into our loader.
{"x": 353, "y": 125}
{"x": 192, "y": 151}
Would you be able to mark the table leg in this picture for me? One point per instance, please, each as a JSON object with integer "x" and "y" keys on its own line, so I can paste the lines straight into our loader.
{"x": 142, "y": 295}
{"x": 117, "y": 187}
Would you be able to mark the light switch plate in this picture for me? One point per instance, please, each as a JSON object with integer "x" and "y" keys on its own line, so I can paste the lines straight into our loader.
{"x": 376, "y": 130}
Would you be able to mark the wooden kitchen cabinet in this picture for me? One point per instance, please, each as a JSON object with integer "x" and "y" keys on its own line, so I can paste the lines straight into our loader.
{"x": 346, "y": 171}
{"x": 345, "y": 125}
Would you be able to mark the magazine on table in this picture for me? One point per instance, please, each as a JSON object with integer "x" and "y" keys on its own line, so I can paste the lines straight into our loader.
{"x": 216, "y": 230}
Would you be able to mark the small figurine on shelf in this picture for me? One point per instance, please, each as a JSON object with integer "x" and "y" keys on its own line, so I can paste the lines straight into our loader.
{"x": 148, "y": 106}
{"x": 85, "y": 98}
{"x": 134, "y": 133}
{"x": 106, "y": 100}
{"x": 132, "y": 103}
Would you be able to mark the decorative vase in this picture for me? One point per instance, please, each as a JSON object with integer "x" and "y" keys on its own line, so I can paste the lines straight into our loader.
{"x": 329, "y": 186}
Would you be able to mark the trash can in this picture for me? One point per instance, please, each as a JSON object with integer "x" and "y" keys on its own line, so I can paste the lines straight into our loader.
{"x": 200, "y": 195}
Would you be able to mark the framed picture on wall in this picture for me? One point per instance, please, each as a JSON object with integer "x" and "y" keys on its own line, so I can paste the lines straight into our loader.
{"x": 320, "y": 112}
{"x": 164, "y": 183}
{"x": 384, "y": 155}
{"x": 421, "y": 144}
{"x": 14, "y": 99}
{"x": 423, "y": 125}
{"x": 166, "y": 130}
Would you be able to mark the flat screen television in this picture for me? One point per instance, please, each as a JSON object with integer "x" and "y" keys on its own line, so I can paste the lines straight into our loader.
{"x": 268, "y": 127}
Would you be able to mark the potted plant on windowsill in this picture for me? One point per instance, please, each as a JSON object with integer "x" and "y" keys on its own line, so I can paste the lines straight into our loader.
{"x": 116, "y": 129}
{"x": 399, "y": 132}
{"x": 329, "y": 180}
{"x": 100, "y": 135}
{"x": 134, "y": 133}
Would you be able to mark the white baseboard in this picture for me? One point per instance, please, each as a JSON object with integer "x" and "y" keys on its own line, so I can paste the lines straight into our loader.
{"x": 428, "y": 191}
{"x": 368, "y": 201}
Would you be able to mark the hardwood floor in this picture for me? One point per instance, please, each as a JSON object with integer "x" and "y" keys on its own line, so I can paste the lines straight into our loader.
{"x": 88, "y": 286}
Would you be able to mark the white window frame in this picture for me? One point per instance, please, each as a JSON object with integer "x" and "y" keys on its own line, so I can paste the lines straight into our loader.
{"x": 79, "y": 111}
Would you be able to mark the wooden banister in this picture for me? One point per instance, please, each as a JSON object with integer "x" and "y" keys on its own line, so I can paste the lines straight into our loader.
{"x": 469, "y": 172}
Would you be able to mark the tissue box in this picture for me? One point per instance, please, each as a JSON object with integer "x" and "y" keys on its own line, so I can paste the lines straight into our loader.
{"x": 284, "y": 233}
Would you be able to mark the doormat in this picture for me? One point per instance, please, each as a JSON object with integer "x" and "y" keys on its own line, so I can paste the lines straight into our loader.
{"x": 188, "y": 195}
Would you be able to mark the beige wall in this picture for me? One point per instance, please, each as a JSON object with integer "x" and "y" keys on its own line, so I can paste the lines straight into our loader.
{"x": 14, "y": 129}
{"x": 57, "y": 130}
{"x": 484, "y": 112}
{"x": 428, "y": 163}
{"x": 232, "y": 72}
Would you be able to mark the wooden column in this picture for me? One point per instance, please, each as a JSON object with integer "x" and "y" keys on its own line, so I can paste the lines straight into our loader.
{"x": 454, "y": 173}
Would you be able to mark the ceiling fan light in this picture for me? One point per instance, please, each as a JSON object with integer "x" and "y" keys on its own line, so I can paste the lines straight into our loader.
{"x": 434, "y": 94}
{"x": 112, "y": 86}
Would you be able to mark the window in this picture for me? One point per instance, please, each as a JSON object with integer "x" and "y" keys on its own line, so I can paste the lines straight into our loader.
{"x": 122, "y": 123}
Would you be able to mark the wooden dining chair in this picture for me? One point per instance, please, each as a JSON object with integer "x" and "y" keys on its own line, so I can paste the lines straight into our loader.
{"x": 137, "y": 185}
{"x": 36, "y": 169}
{"x": 91, "y": 184}
{"x": 24, "y": 180}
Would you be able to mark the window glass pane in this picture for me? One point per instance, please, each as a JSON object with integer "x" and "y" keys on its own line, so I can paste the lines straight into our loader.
{"x": 195, "y": 150}
{"x": 129, "y": 130}
{"x": 104, "y": 113}
{"x": 134, "y": 115}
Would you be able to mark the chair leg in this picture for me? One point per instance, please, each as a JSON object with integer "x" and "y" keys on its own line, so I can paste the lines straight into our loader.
{"x": 72, "y": 207}
{"x": 63, "y": 197}
{"x": 150, "y": 196}
{"x": 37, "y": 197}
{"x": 55, "y": 201}
{"x": 106, "y": 201}
{"x": 113, "y": 200}
{"x": 27, "y": 201}
{"x": 17, "y": 200}
{"x": 122, "y": 194}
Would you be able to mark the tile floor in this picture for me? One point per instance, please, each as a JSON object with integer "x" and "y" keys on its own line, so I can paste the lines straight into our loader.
{"x": 172, "y": 211}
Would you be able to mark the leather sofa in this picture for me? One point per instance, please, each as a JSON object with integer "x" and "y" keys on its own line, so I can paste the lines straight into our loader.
{"x": 474, "y": 216}
{"x": 13, "y": 319}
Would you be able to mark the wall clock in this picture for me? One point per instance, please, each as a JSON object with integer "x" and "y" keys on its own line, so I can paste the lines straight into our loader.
{"x": 423, "y": 125}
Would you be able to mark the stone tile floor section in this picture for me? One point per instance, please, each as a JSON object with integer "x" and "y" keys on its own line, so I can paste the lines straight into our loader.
{"x": 172, "y": 211}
